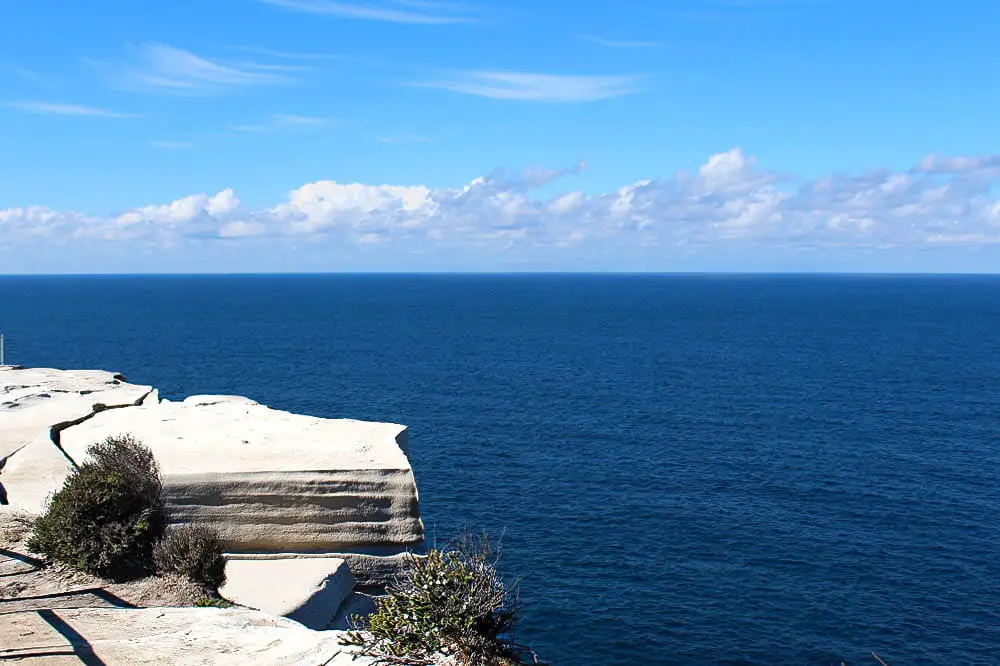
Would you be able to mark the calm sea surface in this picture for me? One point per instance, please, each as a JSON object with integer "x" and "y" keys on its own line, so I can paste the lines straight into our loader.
{"x": 688, "y": 470}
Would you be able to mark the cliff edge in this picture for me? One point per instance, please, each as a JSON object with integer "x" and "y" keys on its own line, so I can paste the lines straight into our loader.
{"x": 311, "y": 510}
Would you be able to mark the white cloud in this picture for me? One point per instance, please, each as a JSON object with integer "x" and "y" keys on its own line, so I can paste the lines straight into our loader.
{"x": 405, "y": 137}
{"x": 280, "y": 121}
{"x": 222, "y": 203}
{"x": 937, "y": 164}
{"x": 392, "y": 11}
{"x": 620, "y": 43}
{"x": 164, "y": 68}
{"x": 567, "y": 203}
{"x": 729, "y": 202}
{"x": 286, "y": 55}
{"x": 56, "y": 109}
{"x": 171, "y": 145}
{"x": 242, "y": 229}
{"x": 526, "y": 86}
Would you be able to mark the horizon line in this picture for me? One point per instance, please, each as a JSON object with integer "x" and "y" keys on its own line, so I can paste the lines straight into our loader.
{"x": 519, "y": 273}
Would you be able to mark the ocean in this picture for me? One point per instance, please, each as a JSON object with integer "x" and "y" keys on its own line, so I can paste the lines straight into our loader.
{"x": 686, "y": 470}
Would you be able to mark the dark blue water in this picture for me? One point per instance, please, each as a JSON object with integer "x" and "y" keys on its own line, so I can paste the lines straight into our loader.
{"x": 689, "y": 470}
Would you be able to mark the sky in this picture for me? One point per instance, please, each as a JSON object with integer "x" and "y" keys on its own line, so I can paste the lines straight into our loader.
{"x": 204, "y": 136}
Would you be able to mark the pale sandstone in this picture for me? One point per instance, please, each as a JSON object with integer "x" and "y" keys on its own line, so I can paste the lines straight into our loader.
{"x": 189, "y": 636}
{"x": 270, "y": 480}
{"x": 35, "y": 404}
{"x": 275, "y": 485}
{"x": 309, "y": 591}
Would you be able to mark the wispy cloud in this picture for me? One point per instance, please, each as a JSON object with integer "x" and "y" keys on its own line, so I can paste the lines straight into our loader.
{"x": 22, "y": 72}
{"x": 280, "y": 121}
{"x": 57, "y": 109}
{"x": 286, "y": 55}
{"x": 393, "y": 11}
{"x": 527, "y": 86}
{"x": 164, "y": 68}
{"x": 404, "y": 137}
{"x": 620, "y": 44}
{"x": 171, "y": 145}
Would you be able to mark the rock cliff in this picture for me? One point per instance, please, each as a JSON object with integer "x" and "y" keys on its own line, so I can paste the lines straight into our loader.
{"x": 319, "y": 502}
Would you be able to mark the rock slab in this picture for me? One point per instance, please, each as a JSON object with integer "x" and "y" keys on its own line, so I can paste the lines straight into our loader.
{"x": 307, "y": 590}
{"x": 273, "y": 481}
{"x": 165, "y": 636}
{"x": 36, "y": 405}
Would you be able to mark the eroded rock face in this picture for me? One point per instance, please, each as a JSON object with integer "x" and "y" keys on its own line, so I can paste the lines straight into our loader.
{"x": 272, "y": 481}
{"x": 269, "y": 481}
{"x": 275, "y": 485}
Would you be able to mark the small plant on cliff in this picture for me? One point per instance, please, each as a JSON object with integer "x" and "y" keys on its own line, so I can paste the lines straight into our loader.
{"x": 194, "y": 551}
{"x": 451, "y": 602}
{"x": 109, "y": 513}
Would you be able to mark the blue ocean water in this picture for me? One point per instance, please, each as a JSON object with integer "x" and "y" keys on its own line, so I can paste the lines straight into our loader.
{"x": 733, "y": 470}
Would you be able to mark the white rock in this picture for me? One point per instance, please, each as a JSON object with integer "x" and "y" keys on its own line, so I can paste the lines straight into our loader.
{"x": 273, "y": 481}
{"x": 35, "y": 401}
{"x": 166, "y": 636}
{"x": 307, "y": 590}
{"x": 32, "y": 475}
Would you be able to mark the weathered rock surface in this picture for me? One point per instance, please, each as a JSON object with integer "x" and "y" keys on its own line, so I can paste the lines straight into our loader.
{"x": 35, "y": 406}
{"x": 370, "y": 571}
{"x": 31, "y": 474}
{"x": 307, "y": 590}
{"x": 36, "y": 399}
{"x": 270, "y": 480}
{"x": 267, "y": 480}
{"x": 167, "y": 636}
{"x": 272, "y": 483}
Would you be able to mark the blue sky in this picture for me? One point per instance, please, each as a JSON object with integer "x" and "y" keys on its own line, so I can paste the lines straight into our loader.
{"x": 667, "y": 135}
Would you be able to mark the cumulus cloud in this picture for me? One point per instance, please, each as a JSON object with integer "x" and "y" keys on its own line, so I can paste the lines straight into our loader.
{"x": 729, "y": 202}
{"x": 937, "y": 164}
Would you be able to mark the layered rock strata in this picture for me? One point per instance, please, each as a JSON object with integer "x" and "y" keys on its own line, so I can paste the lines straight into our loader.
{"x": 276, "y": 485}
{"x": 271, "y": 481}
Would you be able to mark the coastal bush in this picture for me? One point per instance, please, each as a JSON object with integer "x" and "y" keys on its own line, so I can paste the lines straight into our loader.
{"x": 451, "y": 602}
{"x": 194, "y": 551}
{"x": 212, "y": 602}
{"x": 109, "y": 513}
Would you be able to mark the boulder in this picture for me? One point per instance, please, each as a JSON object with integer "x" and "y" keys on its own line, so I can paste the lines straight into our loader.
{"x": 273, "y": 481}
{"x": 307, "y": 590}
{"x": 165, "y": 636}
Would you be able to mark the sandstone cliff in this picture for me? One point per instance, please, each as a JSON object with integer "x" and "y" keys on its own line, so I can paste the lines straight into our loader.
{"x": 307, "y": 506}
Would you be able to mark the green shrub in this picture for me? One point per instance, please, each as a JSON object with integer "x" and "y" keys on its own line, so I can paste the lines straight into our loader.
{"x": 194, "y": 551}
{"x": 453, "y": 601}
{"x": 108, "y": 514}
{"x": 212, "y": 602}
